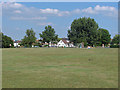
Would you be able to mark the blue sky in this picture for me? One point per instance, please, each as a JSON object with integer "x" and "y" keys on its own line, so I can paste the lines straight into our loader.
{"x": 20, "y": 16}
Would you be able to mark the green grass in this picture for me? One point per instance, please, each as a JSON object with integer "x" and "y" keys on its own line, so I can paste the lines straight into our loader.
{"x": 60, "y": 68}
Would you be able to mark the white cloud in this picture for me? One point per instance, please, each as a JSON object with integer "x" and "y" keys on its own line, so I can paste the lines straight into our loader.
{"x": 54, "y": 11}
{"x": 89, "y": 10}
{"x": 105, "y": 10}
{"x": 44, "y": 23}
{"x": 17, "y": 11}
{"x": 49, "y": 10}
{"x": 17, "y": 5}
{"x": 76, "y": 11}
{"x": 63, "y": 13}
{"x": 12, "y": 0}
{"x": 32, "y": 12}
{"x": 27, "y": 18}
{"x": 9, "y": 5}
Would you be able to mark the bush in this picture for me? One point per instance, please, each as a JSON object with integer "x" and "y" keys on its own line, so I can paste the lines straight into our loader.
{"x": 38, "y": 44}
{"x": 114, "y": 46}
{"x": 45, "y": 45}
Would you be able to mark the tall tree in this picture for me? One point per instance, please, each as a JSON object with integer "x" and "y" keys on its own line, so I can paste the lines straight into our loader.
{"x": 83, "y": 30}
{"x": 104, "y": 36}
{"x": 7, "y": 42}
{"x": 29, "y": 39}
{"x": 48, "y": 35}
{"x": 116, "y": 39}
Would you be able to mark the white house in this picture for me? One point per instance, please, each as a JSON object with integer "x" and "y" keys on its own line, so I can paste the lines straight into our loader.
{"x": 65, "y": 43}
{"x": 52, "y": 44}
{"x": 16, "y": 43}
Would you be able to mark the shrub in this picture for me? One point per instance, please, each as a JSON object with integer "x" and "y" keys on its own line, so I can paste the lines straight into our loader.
{"x": 114, "y": 46}
{"x": 45, "y": 45}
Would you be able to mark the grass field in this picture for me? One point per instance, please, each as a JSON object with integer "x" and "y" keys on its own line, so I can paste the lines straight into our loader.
{"x": 60, "y": 68}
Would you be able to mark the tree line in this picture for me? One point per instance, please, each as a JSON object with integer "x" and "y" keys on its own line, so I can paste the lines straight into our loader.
{"x": 83, "y": 30}
{"x": 87, "y": 30}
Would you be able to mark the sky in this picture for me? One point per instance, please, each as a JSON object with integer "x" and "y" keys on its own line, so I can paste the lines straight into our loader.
{"x": 17, "y": 17}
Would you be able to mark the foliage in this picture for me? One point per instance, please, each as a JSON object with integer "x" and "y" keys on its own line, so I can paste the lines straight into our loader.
{"x": 83, "y": 30}
{"x": 116, "y": 39}
{"x": 115, "y": 43}
{"x": 7, "y": 42}
{"x": 103, "y": 36}
{"x": 45, "y": 45}
{"x": 86, "y": 30}
{"x": 59, "y": 39}
{"x": 38, "y": 44}
{"x": 29, "y": 39}
{"x": 48, "y": 35}
{"x": 114, "y": 46}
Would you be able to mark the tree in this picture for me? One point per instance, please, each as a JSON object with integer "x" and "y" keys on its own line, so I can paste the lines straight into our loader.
{"x": 48, "y": 35}
{"x": 116, "y": 39}
{"x": 0, "y": 39}
{"x": 104, "y": 36}
{"x": 59, "y": 39}
{"x": 83, "y": 30}
{"x": 7, "y": 42}
{"x": 29, "y": 39}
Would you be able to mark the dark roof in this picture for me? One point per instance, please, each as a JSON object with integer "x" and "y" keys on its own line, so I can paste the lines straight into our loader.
{"x": 64, "y": 38}
{"x": 65, "y": 41}
{"x": 17, "y": 41}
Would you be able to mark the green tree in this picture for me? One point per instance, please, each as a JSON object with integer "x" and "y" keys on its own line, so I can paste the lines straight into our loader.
{"x": 116, "y": 39}
{"x": 7, "y": 42}
{"x": 104, "y": 36}
{"x": 0, "y": 39}
{"x": 48, "y": 35}
{"x": 29, "y": 39}
{"x": 83, "y": 30}
{"x": 59, "y": 39}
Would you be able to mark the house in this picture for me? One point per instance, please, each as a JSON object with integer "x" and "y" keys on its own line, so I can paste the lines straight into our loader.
{"x": 52, "y": 44}
{"x": 36, "y": 43}
{"x": 16, "y": 43}
{"x": 65, "y": 43}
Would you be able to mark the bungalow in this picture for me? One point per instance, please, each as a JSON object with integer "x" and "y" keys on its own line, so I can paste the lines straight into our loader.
{"x": 65, "y": 43}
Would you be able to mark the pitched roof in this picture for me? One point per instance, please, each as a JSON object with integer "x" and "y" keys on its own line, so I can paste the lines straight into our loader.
{"x": 17, "y": 41}
{"x": 64, "y": 38}
{"x": 65, "y": 41}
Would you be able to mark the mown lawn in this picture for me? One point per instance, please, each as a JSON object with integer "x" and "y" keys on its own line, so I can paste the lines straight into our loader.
{"x": 59, "y": 68}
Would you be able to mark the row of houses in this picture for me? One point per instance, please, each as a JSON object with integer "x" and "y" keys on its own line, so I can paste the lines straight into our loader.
{"x": 64, "y": 42}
